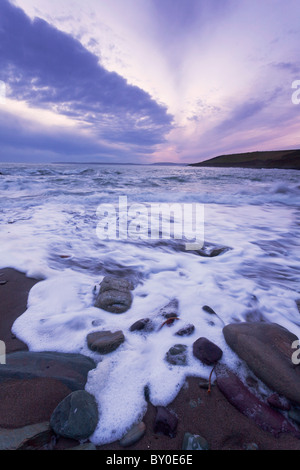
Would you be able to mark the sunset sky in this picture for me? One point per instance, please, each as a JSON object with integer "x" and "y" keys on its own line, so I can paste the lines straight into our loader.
{"x": 147, "y": 80}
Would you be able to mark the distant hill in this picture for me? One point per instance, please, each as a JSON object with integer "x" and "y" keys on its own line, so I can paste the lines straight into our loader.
{"x": 284, "y": 159}
{"x": 168, "y": 164}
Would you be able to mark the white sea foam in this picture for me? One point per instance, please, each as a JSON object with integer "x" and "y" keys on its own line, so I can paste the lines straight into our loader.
{"x": 48, "y": 221}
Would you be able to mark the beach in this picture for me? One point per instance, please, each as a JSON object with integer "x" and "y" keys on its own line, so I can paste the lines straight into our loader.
{"x": 199, "y": 412}
{"x": 123, "y": 317}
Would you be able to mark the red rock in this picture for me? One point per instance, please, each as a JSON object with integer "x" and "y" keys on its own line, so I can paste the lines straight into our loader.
{"x": 165, "y": 422}
{"x": 248, "y": 404}
{"x": 206, "y": 351}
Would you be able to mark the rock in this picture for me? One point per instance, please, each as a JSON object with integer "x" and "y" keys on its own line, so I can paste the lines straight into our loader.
{"x": 206, "y": 384}
{"x": 115, "y": 283}
{"x": 35, "y": 435}
{"x": 251, "y": 446}
{"x": 267, "y": 350}
{"x": 278, "y": 402}
{"x": 114, "y": 294}
{"x": 177, "y": 355}
{"x": 208, "y": 309}
{"x": 186, "y": 330}
{"x": 105, "y": 342}
{"x": 133, "y": 435}
{"x": 70, "y": 369}
{"x": 147, "y": 393}
{"x": 247, "y": 403}
{"x": 165, "y": 422}
{"x": 3, "y": 282}
{"x": 114, "y": 301}
{"x": 206, "y": 351}
{"x": 194, "y": 442}
{"x": 76, "y": 416}
{"x": 211, "y": 250}
{"x": 170, "y": 309}
{"x": 142, "y": 325}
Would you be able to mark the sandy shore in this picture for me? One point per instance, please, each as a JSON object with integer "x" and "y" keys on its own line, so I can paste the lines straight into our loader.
{"x": 207, "y": 414}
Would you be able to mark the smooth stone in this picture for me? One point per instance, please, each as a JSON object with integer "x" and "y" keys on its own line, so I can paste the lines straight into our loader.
{"x": 70, "y": 369}
{"x": 186, "y": 330}
{"x": 105, "y": 342}
{"x": 206, "y": 351}
{"x": 165, "y": 422}
{"x": 267, "y": 350}
{"x": 133, "y": 435}
{"x": 249, "y": 404}
{"x": 251, "y": 446}
{"x": 211, "y": 250}
{"x": 170, "y": 309}
{"x": 114, "y": 301}
{"x": 76, "y": 416}
{"x": 177, "y": 355}
{"x": 115, "y": 283}
{"x": 13, "y": 439}
{"x": 142, "y": 325}
{"x": 208, "y": 309}
{"x": 194, "y": 442}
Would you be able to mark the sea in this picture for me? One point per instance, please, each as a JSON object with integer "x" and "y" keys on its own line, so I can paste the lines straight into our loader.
{"x": 65, "y": 224}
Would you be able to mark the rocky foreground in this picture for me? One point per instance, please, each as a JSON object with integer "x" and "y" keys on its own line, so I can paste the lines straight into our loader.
{"x": 44, "y": 404}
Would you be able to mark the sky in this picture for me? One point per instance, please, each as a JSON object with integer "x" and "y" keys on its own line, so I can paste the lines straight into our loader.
{"x": 145, "y": 81}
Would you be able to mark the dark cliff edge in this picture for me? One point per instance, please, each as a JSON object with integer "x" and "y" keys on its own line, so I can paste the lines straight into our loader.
{"x": 281, "y": 159}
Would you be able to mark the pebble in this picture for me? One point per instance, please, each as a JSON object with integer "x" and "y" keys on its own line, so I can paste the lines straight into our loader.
{"x": 105, "y": 342}
{"x": 194, "y": 442}
{"x": 165, "y": 422}
{"x": 177, "y": 355}
{"x": 133, "y": 435}
{"x": 206, "y": 351}
{"x": 186, "y": 330}
{"x": 142, "y": 325}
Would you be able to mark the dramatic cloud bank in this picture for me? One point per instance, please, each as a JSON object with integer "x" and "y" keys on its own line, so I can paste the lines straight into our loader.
{"x": 146, "y": 81}
{"x": 48, "y": 69}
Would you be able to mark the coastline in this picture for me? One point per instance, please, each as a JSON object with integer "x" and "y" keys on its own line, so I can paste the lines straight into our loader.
{"x": 198, "y": 412}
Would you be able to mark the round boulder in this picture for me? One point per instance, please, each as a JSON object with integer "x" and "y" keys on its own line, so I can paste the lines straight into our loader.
{"x": 76, "y": 416}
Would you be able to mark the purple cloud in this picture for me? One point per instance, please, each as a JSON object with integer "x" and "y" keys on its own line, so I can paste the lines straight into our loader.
{"x": 50, "y": 69}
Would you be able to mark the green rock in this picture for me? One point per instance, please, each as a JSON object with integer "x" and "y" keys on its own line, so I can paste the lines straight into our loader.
{"x": 194, "y": 442}
{"x": 76, "y": 416}
{"x": 133, "y": 435}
